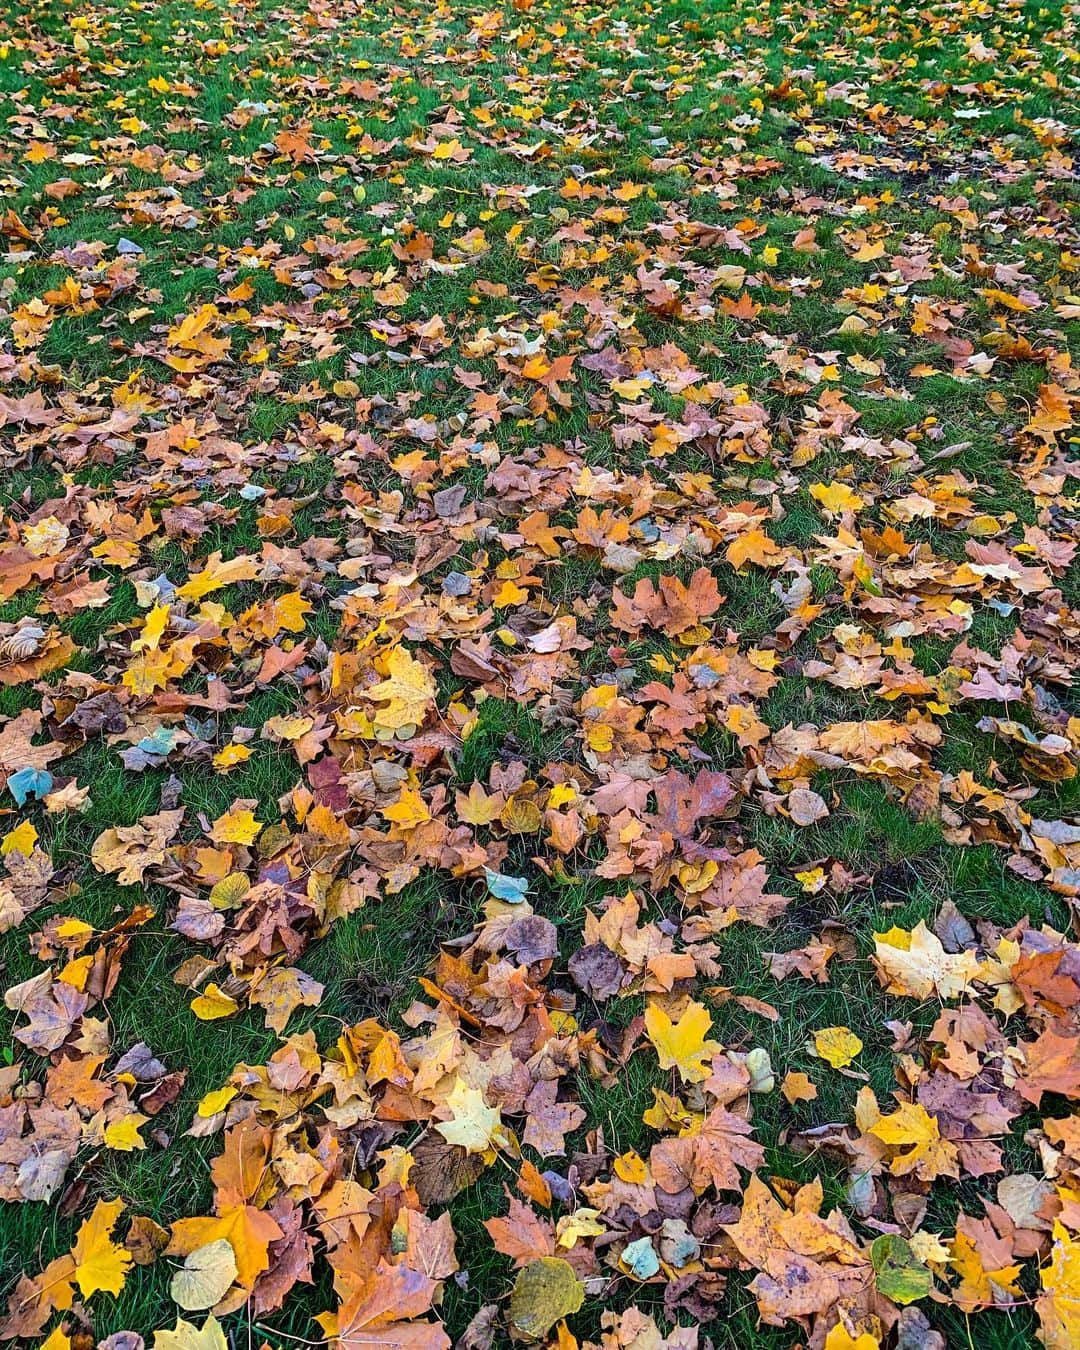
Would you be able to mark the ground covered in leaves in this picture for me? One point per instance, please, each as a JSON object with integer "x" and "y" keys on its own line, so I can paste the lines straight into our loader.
{"x": 537, "y": 714}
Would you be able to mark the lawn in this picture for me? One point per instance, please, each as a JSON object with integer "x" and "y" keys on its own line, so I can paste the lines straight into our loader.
{"x": 538, "y": 730}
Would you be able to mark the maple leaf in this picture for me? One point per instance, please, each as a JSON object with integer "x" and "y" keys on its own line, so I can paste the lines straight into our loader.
{"x": 186, "y": 1336}
{"x": 835, "y": 498}
{"x": 682, "y": 1045}
{"x": 376, "y": 1314}
{"x": 1050, "y": 1064}
{"x": 100, "y": 1263}
{"x": 236, "y": 826}
{"x": 408, "y": 694}
{"x": 912, "y": 1127}
{"x": 980, "y": 1286}
{"x": 217, "y": 574}
{"x": 473, "y": 1123}
{"x": 754, "y": 546}
{"x": 129, "y": 850}
{"x": 1058, "y": 1306}
{"x": 249, "y": 1232}
{"x": 672, "y": 607}
{"x": 839, "y": 1338}
{"x": 441, "y": 583}
{"x": 916, "y": 964}
{"x": 709, "y": 1155}
{"x": 522, "y": 1234}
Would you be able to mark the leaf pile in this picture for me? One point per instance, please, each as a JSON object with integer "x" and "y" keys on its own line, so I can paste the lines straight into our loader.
{"x": 538, "y": 720}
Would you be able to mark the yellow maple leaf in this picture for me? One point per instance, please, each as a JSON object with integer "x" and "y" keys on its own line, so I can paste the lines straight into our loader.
{"x": 237, "y": 826}
{"x": 474, "y": 1122}
{"x": 582, "y": 1223}
{"x": 912, "y": 1127}
{"x": 682, "y": 1045}
{"x": 150, "y": 637}
{"x": 74, "y": 928}
{"x": 477, "y": 807}
{"x": 19, "y": 840}
{"x": 149, "y": 670}
{"x": 631, "y": 388}
{"x": 215, "y": 1101}
{"x": 249, "y": 1231}
{"x": 408, "y": 693}
{"x": 291, "y": 611}
{"x": 1059, "y": 1304}
{"x": 217, "y": 574}
{"x": 123, "y": 1135}
{"x": 839, "y": 1338}
{"x": 229, "y": 756}
{"x": 630, "y": 1167}
{"x": 77, "y": 971}
{"x": 187, "y": 1336}
{"x": 408, "y": 811}
{"x": 980, "y": 1287}
{"x": 191, "y": 326}
{"x": 836, "y": 498}
{"x": 100, "y": 1263}
{"x": 288, "y": 728}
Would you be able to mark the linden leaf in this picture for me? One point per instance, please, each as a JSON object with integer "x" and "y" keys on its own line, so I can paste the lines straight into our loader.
{"x": 899, "y": 1274}
{"x": 545, "y": 1291}
{"x": 229, "y": 892}
{"x": 838, "y": 1046}
{"x": 205, "y": 1276}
